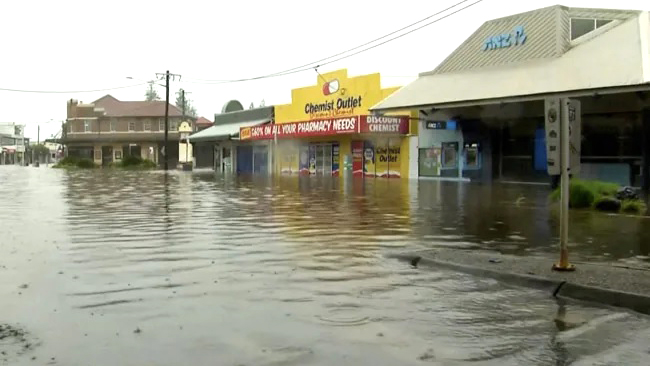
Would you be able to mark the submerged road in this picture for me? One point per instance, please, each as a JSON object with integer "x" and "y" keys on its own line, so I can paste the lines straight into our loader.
{"x": 132, "y": 268}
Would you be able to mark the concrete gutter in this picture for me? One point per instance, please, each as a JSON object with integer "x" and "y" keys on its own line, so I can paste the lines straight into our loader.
{"x": 556, "y": 285}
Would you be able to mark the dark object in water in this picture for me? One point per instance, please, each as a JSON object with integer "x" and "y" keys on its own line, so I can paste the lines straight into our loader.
{"x": 627, "y": 193}
{"x": 495, "y": 260}
{"x": 608, "y": 204}
{"x": 414, "y": 261}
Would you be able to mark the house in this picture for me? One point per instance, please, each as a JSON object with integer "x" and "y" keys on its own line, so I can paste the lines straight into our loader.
{"x": 107, "y": 130}
{"x": 202, "y": 123}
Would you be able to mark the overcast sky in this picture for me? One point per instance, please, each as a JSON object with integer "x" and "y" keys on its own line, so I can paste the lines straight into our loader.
{"x": 69, "y": 45}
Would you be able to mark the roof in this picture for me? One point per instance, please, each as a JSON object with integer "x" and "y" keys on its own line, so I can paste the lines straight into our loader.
{"x": 585, "y": 66}
{"x": 244, "y": 115}
{"x": 202, "y": 121}
{"x": 117, "y": 108}
{"x": 225, "y": 131}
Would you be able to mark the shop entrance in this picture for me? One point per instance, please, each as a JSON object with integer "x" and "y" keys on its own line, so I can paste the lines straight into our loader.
{"x": 323, "y": 159}
{"x": 107, "y": 155}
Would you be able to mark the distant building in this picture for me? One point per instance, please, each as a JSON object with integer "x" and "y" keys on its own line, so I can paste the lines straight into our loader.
{"x": 12, "y": 143}
{"x": 108, "y": 129}
{"x": 202, "y": 123}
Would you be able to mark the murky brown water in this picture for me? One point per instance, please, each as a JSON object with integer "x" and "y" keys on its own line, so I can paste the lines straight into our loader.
{"x": 127, "y": 268}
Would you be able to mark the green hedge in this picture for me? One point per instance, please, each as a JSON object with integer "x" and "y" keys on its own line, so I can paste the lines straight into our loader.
{"x": 587, "y": 193}
{"x": 75, "y": 162}
{"x": 136, "y": 162}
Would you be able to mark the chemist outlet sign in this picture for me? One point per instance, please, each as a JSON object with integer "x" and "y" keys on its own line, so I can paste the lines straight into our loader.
{"x": 328, "y": 127}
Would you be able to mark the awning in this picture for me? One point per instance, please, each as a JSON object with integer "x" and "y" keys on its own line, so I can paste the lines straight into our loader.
{"x": 225, "y": 131}
{"x": 612, "y": 62}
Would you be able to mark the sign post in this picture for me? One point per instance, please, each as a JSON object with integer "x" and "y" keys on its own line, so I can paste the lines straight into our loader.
{"x": 563, "y": 137}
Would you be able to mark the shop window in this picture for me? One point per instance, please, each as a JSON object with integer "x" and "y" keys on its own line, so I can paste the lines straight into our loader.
{"x": 449, "y": 155}
{"x": 582, "y": 26}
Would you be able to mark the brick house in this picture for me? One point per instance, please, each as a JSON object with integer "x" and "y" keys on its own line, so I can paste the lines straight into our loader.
{"x": 108, "y": 129}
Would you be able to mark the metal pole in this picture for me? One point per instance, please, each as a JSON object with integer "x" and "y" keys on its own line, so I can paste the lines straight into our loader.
{"x": 22, "y": 130}
{"x": 167, "y": 120}
{"x": 565, "y": 135}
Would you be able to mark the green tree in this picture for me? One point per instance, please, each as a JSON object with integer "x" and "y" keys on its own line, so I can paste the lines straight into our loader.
{"x": 151, "y": 94}
{"x": 190, "y": 110}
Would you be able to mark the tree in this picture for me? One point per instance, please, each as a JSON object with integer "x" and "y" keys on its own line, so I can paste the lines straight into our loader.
{"x": 190, "y": 110}
{"x": 151, "y": 94}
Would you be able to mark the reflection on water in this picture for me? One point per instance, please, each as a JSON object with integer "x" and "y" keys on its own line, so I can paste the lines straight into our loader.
{"x": 290, "y": 271}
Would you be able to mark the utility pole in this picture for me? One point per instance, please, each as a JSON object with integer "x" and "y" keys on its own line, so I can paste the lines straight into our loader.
{"x": 183, "y": 103}
{"x": 167, "y": 76}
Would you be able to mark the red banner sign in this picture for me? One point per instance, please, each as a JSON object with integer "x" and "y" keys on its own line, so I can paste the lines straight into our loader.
{"x": 384, "y": 124}
{"x": 327, "y": 127}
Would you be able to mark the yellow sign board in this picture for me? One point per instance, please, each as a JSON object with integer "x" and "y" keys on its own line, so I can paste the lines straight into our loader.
{"x": 334, "y": 95}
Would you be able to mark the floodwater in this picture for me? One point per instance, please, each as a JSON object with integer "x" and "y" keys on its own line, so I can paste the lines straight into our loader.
{"x": 146, "y": 268}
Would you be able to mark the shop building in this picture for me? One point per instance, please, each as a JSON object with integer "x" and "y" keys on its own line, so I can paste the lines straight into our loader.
{"x": 482, "y": 110}
{"x": 218, "y": 147}
{"x": 327, "y": 130}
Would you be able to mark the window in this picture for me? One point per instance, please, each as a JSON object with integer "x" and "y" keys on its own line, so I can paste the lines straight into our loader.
{"x": 87, "y": 126}
{"x": 131, "y": 125}
{"x": 161, "y": 124}
{"x": 582, "y": 26}
{"x": 602, "y": 22}
{"x": 113, "y": 125}
{"x": 147, "y": 125}
{"x": 173, "y": 125}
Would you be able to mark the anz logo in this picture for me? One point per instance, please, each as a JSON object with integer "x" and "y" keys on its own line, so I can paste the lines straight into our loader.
{"x": 516, "y": 38}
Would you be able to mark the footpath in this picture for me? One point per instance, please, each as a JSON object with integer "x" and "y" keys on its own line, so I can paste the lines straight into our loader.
{"x": 609, "y": 284}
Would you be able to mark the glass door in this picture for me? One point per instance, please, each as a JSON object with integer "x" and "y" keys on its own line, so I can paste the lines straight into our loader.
{"x": 327, "y": 159}
{"x": 319, "y": 159}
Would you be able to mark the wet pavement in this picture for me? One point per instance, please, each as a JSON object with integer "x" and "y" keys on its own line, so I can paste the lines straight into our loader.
{"x": 134, "y": 268}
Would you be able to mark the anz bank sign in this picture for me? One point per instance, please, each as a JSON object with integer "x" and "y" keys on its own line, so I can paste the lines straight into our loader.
{"x": 515, "y": 38}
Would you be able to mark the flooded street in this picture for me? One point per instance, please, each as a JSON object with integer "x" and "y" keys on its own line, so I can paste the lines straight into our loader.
{"x": 146, "y": 268}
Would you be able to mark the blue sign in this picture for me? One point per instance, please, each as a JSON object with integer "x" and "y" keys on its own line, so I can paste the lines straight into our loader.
{"x": 516, "y": 38}
{"x": 441, "y": 125}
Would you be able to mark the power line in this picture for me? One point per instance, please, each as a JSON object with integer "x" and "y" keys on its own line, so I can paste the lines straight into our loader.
{"x": 314, "y": 64}
{"x": 68, "y": 91}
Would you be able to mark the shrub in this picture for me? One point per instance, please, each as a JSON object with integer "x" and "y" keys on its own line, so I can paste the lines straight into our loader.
{"x": 634, "y": 207}
{"x": 136, "y": 163}
{"x": 582, "y": 194}
{"x": 148, "y": 164}
{"x": 75, "y": 162}
{"x": 131, "y": 160}
{"x": 607, "y": 204}
{"x": 85, "y": 164}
